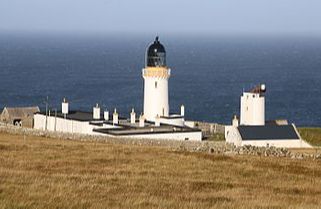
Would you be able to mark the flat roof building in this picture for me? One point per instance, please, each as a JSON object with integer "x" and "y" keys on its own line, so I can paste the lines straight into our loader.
{"x": 155, "y": 122}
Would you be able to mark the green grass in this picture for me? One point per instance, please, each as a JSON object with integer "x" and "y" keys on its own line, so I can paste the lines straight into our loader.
{"x": 311, "y": 135}
{"x": 216, "y": 137}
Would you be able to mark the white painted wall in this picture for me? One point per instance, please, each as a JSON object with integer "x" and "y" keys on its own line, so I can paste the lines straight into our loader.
{"x": 155, "y": 96}
{"x": 190, "y": 124}
{"x": 232, "y": 135}
{"x": 173, "y": 121}
{"x": 65, "y": 125}
{"x": 80, "y": 127}
{"x": 83, "y": 127}
{"x": 191, "y": 136}
{"x": 252, "y": 109}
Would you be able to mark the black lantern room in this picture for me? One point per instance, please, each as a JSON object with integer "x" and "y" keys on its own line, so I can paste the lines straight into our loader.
{"x": 156, "y": 55}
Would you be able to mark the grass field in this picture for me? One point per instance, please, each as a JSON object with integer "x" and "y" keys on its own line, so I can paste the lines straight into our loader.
{"x": 49, "y": 173}
{"x": 311, "y": 135}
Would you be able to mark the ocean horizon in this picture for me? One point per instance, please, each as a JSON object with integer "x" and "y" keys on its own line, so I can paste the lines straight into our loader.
{"x": 208, "y": 74}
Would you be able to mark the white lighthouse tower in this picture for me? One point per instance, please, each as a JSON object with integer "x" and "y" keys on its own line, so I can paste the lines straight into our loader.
{"x": 156, "y": 75}
{"x": 253, "y": 107}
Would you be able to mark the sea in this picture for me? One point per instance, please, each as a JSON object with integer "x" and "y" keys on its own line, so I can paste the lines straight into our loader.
{"x": 208, "y": 73}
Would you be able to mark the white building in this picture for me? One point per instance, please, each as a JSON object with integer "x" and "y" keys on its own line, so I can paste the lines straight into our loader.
{"x": 252, "y": 129}
{"x": 154, "y": 123}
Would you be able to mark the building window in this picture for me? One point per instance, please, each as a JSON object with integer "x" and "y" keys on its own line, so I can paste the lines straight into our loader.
{"x": 155, "y": 84}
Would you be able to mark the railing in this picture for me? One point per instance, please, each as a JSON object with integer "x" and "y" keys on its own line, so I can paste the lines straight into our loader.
{"x": 156, "y": 72}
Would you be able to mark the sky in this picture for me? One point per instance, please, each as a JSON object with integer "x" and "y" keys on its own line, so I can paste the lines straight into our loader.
{"x": 165, "y": 16}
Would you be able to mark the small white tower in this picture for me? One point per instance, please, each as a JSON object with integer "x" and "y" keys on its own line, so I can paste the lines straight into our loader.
{"x": 156, "y": 75}
{"x": 65, "y": 107}
{"x": 132, "y": 117}
{"x": 96, "y": 112}
{"x": 253, "y": 107}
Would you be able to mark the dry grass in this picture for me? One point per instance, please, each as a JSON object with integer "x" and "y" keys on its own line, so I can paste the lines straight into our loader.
{"x": 48, "y": 173}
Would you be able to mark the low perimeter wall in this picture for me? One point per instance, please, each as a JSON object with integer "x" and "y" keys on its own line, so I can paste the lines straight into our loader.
{"x": 210, "y": 147}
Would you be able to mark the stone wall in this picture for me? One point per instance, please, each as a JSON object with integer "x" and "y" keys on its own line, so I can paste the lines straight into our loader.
{"x": 6, "y": 128}
{"x": 211, "y": 147}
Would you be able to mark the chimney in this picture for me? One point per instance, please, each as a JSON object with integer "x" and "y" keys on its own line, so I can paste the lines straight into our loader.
{"x": 141, "y": 121}
{"x": 106, "y": 115}
{"x": 96, "y": 112}
{"x": 115, "y": 117}
{"x": 235, "y": 121}
{"x": 259, "y": 89}
{"x": 132, "y": 117}
{"x": 157, "y": 120}
{"x": 182, "y": 110}
{"x": 64, "y": 107}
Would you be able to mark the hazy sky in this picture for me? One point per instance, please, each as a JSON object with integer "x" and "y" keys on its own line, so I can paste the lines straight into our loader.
{"x": 164, "y": 16}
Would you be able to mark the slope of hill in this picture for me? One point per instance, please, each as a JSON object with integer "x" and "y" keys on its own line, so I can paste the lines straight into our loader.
{"x": 38, "y": 172}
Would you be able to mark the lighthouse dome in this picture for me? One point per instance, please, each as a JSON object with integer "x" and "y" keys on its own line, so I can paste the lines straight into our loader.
{"x": 156, "y": 54}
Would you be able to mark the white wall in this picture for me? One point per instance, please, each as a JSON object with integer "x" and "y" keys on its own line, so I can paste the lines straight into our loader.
{"x": 190, "y": 124}
{"x": 173, "y": 121}
{"x": 232, "y": 135}
{"x": 252, "y": 109}
{"x": 192, "y": 136}
{"x": 65, "y": 125}
{"x": 80, "y": 127}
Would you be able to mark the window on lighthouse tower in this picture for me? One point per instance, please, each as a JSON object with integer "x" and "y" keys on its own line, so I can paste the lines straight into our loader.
{"x": 155, "y": 84}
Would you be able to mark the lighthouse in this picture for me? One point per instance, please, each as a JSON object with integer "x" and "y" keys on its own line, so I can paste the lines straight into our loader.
{"x": 156, "y": 75}
{"x": 154, "y": 122}
{"x": 253, "y": 107}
